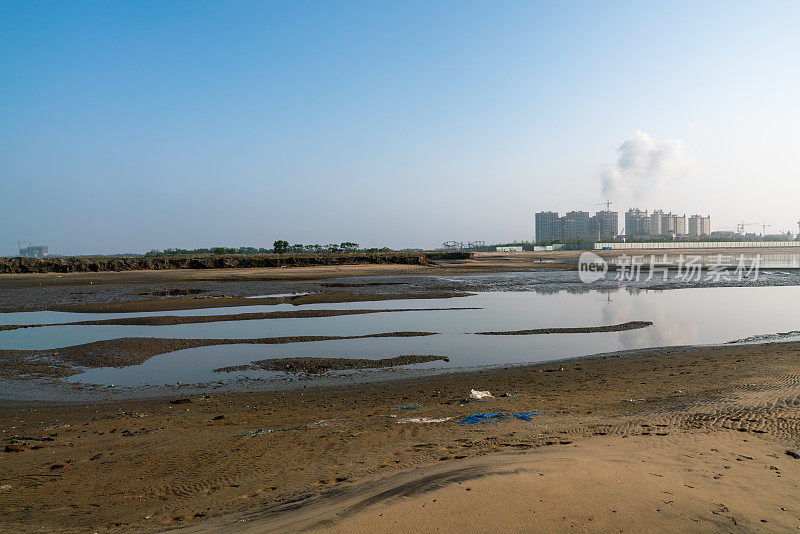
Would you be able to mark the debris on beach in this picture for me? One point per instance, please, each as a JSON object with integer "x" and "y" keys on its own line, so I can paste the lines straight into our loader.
{"x": 636, "y": 400}
{"x": 29, "y": 438}
{"x": 424, "y": 420}
{"x": 495, "y": 417}
{"x": 135, "y": 415}
{"x": 412, "y": 406}
{"x": 263, "y": 431}
{"x": 475, "y": 394}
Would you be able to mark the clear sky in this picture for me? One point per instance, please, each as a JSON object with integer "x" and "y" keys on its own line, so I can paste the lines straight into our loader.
{"x": 126, "y": 126}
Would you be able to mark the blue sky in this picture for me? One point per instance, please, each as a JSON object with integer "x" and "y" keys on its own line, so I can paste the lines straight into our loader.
{"x": 126, "y": 126}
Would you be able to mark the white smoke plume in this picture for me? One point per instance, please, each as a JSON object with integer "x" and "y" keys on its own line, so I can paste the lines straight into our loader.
{"x": 643, "y": 167}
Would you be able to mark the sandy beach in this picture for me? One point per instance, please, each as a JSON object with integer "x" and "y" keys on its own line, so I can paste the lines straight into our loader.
{"x": 707, "y": 438}
{"x": 676, "y": 438}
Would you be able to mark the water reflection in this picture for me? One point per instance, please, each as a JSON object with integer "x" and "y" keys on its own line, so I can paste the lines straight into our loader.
{"x": 699, "y": 313}
{"x": 690, "y": 317}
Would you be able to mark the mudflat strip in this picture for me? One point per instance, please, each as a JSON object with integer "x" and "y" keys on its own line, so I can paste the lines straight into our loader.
{"x": 631, "y": 325}
{"x": 195, "y": 303}
{"x": 323, "y": 365}
{"x": 167, "y": 320}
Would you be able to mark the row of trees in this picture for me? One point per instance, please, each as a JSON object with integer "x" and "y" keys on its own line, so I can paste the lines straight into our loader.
{"x": 278, "y": 247}
{"x": 211, "y": 250}
{"x": 283, "y": 247}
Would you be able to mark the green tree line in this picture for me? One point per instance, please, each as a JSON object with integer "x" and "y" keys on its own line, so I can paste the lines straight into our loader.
{"x": 278, "y": 247}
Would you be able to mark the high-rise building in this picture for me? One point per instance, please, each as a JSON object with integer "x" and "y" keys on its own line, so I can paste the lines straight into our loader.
{"x": 658, "y": 221}
{"x": 604, "y": 225}
{"x": 680, "y": 225}
{"x": 637, "y": 223}
{"x": 546, "y": 226}
{"x": 699, "y": 225}
{"x": 576, "y": 225}
{"x": 667, "y": 224}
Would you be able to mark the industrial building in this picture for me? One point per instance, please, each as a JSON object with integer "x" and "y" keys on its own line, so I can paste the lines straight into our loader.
{"x": 576, "y": 225}
{"x": 33, "y": 252}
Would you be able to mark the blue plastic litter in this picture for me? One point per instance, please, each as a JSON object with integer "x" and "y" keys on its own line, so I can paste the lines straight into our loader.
{"x": 526, "y": 416}
{"x": 494, "y": 417}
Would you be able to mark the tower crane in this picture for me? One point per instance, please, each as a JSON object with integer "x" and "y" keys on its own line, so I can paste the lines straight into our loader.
{"x": 607, "y": 204}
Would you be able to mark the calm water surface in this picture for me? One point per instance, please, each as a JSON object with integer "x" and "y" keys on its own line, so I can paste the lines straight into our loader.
{"x": 681, "y": 317}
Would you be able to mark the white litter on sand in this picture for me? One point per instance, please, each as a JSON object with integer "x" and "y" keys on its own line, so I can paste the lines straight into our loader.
{"x": 275, "y": 295}
{"x": 423, "y": 420}
{"x": 475, "y": 394}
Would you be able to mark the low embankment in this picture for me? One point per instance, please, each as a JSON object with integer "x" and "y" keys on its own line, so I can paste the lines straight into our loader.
{"x": 102, "y": 264}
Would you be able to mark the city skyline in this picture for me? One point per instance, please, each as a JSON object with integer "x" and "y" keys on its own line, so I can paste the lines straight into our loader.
{"x": 604, "y": 224}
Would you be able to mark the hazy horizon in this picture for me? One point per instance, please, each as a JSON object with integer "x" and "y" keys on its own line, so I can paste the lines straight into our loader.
{"x": 132, "y": 126}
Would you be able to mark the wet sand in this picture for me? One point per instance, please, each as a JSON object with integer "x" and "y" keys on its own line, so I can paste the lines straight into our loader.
{"x": 674, "y": 439}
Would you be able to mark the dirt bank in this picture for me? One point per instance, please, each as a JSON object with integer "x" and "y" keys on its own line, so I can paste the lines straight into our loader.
{"x": 698, "y": 436}
{"x": 239, "y": 261}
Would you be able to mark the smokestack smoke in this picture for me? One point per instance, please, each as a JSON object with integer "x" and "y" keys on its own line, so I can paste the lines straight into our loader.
{"x": 643, "y": 167}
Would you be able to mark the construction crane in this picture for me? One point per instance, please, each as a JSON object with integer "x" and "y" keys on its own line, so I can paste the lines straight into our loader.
{"x": 742, "y": 225}
{"x": 607, "y": 204}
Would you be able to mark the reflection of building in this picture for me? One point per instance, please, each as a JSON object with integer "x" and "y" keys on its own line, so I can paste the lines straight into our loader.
{"x": 33, "y": 252}
{"x": 699, "y": 225}
{"x": 576, "y": 225}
